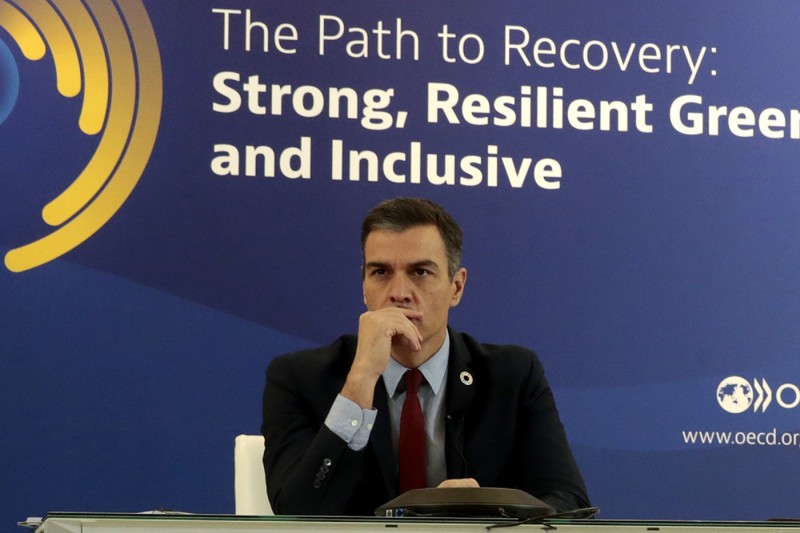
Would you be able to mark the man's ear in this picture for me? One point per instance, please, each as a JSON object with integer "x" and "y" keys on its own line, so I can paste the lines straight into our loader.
{"x": 458, "y": 284}
{"x": 363, "y": 278}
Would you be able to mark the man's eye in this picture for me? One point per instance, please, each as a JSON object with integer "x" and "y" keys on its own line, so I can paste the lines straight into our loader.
{"x": 422, "y": 272}
{"x": 379, "y": 272}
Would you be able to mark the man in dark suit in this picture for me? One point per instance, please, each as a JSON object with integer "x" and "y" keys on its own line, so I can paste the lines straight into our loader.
{"x": 333, "y": 417}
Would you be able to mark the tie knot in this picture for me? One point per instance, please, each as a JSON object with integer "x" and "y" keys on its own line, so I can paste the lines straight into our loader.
{"x": 413, "y": 379}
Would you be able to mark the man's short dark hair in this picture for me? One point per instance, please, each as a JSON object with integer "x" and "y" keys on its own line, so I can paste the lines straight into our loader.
{"x": 400, "y": 214}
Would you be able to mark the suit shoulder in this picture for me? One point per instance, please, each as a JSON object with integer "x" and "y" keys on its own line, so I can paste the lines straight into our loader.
{"x": 493, "y": 351}
{"x": 506, "y": 359}
{"x": 337, "y": 354}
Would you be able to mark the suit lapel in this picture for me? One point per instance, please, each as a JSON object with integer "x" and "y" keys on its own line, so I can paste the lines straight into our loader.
{"x": 381, "y": 440}
{"x": 460, "y": 392}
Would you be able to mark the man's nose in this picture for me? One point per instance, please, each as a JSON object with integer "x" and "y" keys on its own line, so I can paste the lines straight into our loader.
{"x": 400, "y": 290}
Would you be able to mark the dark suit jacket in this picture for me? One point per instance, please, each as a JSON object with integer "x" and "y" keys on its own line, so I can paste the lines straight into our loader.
{"x": 503, "y": 430}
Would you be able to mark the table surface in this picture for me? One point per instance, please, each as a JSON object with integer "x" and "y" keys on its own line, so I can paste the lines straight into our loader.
{"x": 169, "y": 522}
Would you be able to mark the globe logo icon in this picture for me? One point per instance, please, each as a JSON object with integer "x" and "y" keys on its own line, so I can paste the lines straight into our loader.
{"x": 735, "y": 394}
{"x": 9, "y": 82}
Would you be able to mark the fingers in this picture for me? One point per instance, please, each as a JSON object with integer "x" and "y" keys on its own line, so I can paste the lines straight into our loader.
{"x": 379, "y": 332}
{"x": 459, "y": 483}
{"x": 390, "y": 325}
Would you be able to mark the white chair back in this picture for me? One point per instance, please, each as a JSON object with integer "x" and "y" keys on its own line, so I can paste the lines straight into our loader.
{"x": 250, "y": 485}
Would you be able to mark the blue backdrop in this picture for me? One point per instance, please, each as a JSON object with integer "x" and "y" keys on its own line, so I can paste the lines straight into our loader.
{"x": 653, "y": 264}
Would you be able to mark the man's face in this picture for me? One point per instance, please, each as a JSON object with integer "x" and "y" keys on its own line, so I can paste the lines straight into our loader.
{"x": 409, "y": 269}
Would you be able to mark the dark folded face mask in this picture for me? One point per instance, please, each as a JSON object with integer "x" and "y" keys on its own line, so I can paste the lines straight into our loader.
{"x": 476, "y": 502}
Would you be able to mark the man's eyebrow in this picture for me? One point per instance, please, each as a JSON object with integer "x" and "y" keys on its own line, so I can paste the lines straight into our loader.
{"x": 425, "y": 263}
{"x": 375, "y": 264}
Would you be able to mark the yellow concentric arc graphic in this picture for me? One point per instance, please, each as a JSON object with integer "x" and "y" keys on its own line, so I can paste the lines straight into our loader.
{"x": 106, "y": 51}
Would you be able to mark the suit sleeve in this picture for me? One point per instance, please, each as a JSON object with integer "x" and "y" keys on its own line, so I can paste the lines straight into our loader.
{"x": 549, "y": 471}
{"x": 309, "y": 469}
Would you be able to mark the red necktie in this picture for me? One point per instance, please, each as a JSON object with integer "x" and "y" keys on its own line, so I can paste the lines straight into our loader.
{"x": 412, "y": 436}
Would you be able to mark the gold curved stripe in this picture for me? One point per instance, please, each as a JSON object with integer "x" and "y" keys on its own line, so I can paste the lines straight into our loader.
{"x": 65, "y": 57}
{"x": 133, "y": 163}
{"x": 22, "y": 31}
{"x": 93, "y": 59}
{"x": 120, "y": 119}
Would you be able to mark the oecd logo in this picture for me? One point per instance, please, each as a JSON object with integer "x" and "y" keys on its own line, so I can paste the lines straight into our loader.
{"x": 105, "y": 53}
{"x": 736, "y": 395}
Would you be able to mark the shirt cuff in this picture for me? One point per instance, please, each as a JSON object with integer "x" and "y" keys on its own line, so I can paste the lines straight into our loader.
{"x": 350, "y": 422}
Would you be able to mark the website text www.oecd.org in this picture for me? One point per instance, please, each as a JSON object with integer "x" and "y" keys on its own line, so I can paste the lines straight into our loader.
{"x": 742, "y": 438}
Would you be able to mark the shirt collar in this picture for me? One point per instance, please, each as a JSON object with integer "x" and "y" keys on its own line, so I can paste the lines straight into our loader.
{"x": 434, "y": 369}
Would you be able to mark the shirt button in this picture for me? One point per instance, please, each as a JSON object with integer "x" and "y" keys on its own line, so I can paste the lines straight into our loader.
{"x": 369, "y": 427}
{"x": 354, "y": 423}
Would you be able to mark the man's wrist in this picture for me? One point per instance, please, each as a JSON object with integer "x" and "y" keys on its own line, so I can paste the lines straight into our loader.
{"x": 359, "y": 387}
{"x": 350, "y": 422}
